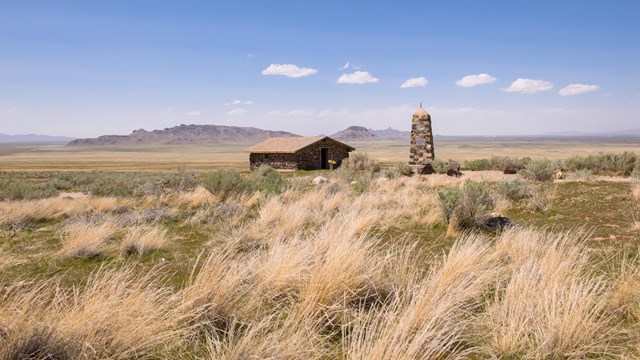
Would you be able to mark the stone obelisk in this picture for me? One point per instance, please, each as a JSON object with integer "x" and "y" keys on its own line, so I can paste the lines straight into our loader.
{"x": 422, "y": 152}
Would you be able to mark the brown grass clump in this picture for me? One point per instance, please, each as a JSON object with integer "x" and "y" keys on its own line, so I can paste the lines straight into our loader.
{"x": 216, "y": 291}
{"x": 635, "y": 190}
{"x": 143, "y": 239}
{"x": 86, "y": 239}
{"x": 551, "y": 305}
{"x": 18, "y": 213}
{"x": 118, "y": 315}
{"x": 434, "y": 319}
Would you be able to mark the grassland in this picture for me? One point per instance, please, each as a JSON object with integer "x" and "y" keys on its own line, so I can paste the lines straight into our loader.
{"x": 160, "y": 263}
{"x": 201, "y": 158}
{"x": 355, "y": 268}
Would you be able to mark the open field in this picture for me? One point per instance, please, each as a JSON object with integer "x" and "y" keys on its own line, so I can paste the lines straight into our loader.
{"x": 200, "y": 158}
{"x": 354, "y": 268}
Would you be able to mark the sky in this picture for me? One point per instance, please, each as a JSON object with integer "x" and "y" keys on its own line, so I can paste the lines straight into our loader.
{"x": 90, "y": 68}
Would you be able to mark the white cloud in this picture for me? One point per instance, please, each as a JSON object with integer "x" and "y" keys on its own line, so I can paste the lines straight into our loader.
{"x": 193, "y": 113}
{"x": 345, "y": 66}
{"x": 473, "y": 80}
{"x": 236, "y": 112}
{"x": 240, "y": 102}
{"x": 415, "y": 82}
{"x": 577, "y": 89}
{"x": 288, "y": 70}
{"x": 358, "y": 77}
{"x": 529, "y": 86}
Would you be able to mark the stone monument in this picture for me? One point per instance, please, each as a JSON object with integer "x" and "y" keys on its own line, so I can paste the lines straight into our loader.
{"x": 421, "y": 151}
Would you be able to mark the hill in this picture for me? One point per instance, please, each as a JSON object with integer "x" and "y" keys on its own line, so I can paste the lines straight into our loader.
{"x": 32, "y": 138}
{"x": 390, "y": 133}
{"x": 354, "y": 133}
{"x": 185, "y": 135}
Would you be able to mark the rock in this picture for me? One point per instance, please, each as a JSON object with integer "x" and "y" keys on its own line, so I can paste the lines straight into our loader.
{"x": 512, "y": 168}
{"x": 453, "y": 169}
{"x": 559, "y": 175}
{"x": 353, "y": 182}
{"x": 498, "y": 221}
{"x": 320, "y": 180}
{"x": 383, "y": 179}
{"x": 427, "y": 169}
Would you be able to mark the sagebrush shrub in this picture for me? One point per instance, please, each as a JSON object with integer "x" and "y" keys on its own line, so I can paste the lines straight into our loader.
{"x": 227, "y": 182}
{"x": 468, "y": 204}
{"x": 514, "y": 189}
{"x": 360, "y": 161}
{"x": 268, "y": 180}
{"x": 400, "y": 169}
{"x": 539, "y": 170}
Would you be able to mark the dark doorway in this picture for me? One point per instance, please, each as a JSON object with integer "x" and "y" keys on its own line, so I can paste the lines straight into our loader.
{"x": 324, "y": 158}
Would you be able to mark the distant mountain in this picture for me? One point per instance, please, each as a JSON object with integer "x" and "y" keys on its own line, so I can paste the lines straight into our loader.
{"x": 619, "y": 133}
{"x": 185, "y": 135}
{"x": 32, "y": 138}
{"x": 354, "y": 133}
{"x": 390, "y": 133}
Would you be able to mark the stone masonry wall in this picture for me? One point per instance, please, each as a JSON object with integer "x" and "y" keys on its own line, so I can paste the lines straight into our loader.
{"x": 309, "y": 158}
{"x": 421, "y": 150}
{"x": 276, "y": 161}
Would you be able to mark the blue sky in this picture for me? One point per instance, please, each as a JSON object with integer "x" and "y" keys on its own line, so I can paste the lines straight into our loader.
{"x": 88, "y": 68}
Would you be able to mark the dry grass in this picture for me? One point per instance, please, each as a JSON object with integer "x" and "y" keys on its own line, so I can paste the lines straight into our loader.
{"x": 18, "y": 213}
{"x": 85, "y": 239}
{"x": 635, "y": 190}
{"x": 325, "y": 272}
{"x": 143, "y": 239}
{"x": 117, "y": 315}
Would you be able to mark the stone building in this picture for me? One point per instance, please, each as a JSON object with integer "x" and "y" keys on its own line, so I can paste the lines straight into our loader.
{"x": 422, "y": 152}
{"x": 298, "y": 153}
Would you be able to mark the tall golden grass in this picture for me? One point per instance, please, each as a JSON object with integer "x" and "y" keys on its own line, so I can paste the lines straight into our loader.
{"x": 315, "y": 274}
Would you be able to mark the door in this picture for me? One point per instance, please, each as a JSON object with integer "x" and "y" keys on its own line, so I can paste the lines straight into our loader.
{"x": 324, "y": 158}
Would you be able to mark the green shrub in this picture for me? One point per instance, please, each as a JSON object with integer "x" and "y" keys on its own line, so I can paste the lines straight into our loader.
{"x": 494, "y": 163}
{"x": 268, "y": 180}
{"x": 439, "y": 166}
{"x": 450, "y": 199}
{"x": 581, "y": 174}
{"x": 467, "y": 205}
{"x": 227, "y": 182}
{"x": 477, "y": 165}
{"x": 400, "y": 169}
{"x": 636, "y": 169}
{"x": 17, "y": 190}
{"x": 514, "y": 189}
{"x": 359, "y": 161}
{"x": 539, "y": 170}
{"x": 603, "y": 163}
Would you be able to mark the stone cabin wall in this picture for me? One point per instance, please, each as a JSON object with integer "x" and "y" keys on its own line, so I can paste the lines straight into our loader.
{"x": 308, "y": 158}
{"x": 276, "y": 161}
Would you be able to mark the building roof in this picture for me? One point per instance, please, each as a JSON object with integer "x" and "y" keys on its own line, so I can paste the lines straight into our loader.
{"x": 289, "y": 145}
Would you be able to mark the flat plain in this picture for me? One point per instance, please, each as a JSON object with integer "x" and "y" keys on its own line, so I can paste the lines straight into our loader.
{"x": 204, "y": 158}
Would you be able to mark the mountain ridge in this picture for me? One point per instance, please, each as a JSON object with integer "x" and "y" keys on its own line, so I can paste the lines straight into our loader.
{"x": 184, "y": 135}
